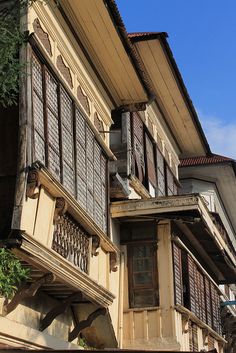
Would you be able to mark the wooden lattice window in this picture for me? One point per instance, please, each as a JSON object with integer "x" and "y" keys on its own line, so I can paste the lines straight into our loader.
{"x": 141, "y": 241}
{"x": 142, "y": 275}
{"x": 138, "y": 147}
{"x": 151, "y": 166}
{"x": 64, "y": 142}
{"x": 161, "y": 180}
{"x": 178, "y": 281}
{"x": 211, "y": 343}
{"x": 194, "y": 290}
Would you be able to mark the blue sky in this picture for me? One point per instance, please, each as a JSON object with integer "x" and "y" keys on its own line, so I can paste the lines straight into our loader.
{"x": 202, "y": 36}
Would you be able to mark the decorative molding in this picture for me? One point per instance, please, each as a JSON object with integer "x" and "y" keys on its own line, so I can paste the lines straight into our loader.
{"x": 33, "y": 184}
{"x": 65, "y": 70}
{"x": 58, "y": 310}
{"x": 43, "y": 36}
{"x": 60, "y": 209}
{"x": 26, "y": 291}
{"x": 86, "y": 323}
{"x": 95, "y": 245}
{"x": 83, "y": 99}
{"x": 113, "y": 262}
{"x": 99, "y": 125}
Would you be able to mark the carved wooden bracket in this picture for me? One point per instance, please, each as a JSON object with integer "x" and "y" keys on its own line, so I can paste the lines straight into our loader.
{"x": 83, "y": 99}
{"x": 95, "y": 245}
{"x": 32, "y": 189}
{"x": 65, "y": 71}
{"x": 26, "y": 291}
{"x": 42, "y": 35}
{"x": 185, "y": 320}
{"x": 58, "y": 310}
{"x": 60, "y": 209}
{"x": 113, "y": 262}
{"x": 205, "y": 334}
{"x": 85, "y": 323}
{"x": 99, "y": 125}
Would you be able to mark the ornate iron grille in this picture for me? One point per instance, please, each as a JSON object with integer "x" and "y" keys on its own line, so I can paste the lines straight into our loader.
{"x": 72, "y": 242}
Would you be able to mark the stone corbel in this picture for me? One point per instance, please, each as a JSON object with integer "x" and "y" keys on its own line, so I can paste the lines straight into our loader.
{"x": 85, "y": 323}
{"x": 33, "y": 184}
{"x": 60, "y": 209}
{"x": 26, "y": 291}
{"x": 185, "y": 320}
{"x": 58, "y": 310}
{"x": 113, "y": 262}
{"x": 95, "y": 245}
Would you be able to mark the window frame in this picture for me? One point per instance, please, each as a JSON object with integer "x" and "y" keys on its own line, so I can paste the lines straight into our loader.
{"x": 157, "y": 154}
{"x": 46, "y": 69}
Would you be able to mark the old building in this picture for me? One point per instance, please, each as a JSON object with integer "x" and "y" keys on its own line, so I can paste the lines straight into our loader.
{"x": 120, "y": 255}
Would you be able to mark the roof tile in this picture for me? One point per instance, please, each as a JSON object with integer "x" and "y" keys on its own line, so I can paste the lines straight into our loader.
{"x": 204, "y": 160}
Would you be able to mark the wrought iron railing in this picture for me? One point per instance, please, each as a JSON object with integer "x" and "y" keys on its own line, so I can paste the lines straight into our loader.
{"x": 72, "y": 242}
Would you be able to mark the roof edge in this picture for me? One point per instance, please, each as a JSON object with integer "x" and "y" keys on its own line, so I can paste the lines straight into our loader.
{"x": 130, "y": 49}
{"x": 162, "y": 36}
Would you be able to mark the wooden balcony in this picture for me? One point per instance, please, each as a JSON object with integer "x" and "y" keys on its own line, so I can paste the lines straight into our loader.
{"x": 57, "y": 236}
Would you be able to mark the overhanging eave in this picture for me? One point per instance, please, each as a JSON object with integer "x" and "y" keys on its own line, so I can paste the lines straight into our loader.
{"x": 191, "y": 210}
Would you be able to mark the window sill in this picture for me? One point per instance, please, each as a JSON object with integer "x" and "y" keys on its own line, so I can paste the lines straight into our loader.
{"x": 148, "y": 308}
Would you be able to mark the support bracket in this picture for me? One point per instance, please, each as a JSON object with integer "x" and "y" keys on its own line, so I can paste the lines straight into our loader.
{"x": 26, "y": 291}
{"x": 58, "y": 310}
{"x": 85, "y": 323}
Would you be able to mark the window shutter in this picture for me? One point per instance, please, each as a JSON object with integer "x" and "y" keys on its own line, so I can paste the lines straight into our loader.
{"x": 81, "y": 159}
{"x": 211, "y": 342}
{"x": 178, "y": 283}
{"x": 90, "y": 176}
{"x": 97, "y": 185}
{"x": 161, "y": 185}
{"x": 191, "y": 274}
{"x": 138, "y": 147}
{"x": 202, "y": 298}
{"x": 104, "y": 192}
{"x": 38, "y": 110}
{"x": 208, "y": 302}
{"x": 67, "y": 141}
{"x": 52, "y": 125}
{"x": 216, "y": 324}
{"x": 151, "y": 169}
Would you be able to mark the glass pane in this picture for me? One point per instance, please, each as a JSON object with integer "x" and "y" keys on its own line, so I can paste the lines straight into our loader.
{"x": 142, "y": 278}
{"x": 142, "y": 251}
{"x": 140, "y": 265}
{"x": 144, "y": 298}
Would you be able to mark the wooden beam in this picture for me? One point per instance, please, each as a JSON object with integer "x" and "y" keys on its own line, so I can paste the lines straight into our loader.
{"x": 85, "y": 323}
{"x": 58, "y": 310}
{"x": 27, "y": 291}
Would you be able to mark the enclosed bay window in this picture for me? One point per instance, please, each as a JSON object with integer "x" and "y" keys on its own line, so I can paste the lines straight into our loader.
{"x": 194, "y": 290}
{"x": 65, "y": 143}
{"x": 150, "y": 166}
{"x": 140, "y": 238}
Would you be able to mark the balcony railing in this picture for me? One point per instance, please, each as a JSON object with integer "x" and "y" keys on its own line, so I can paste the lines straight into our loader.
{"x": 72, "y": 242}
